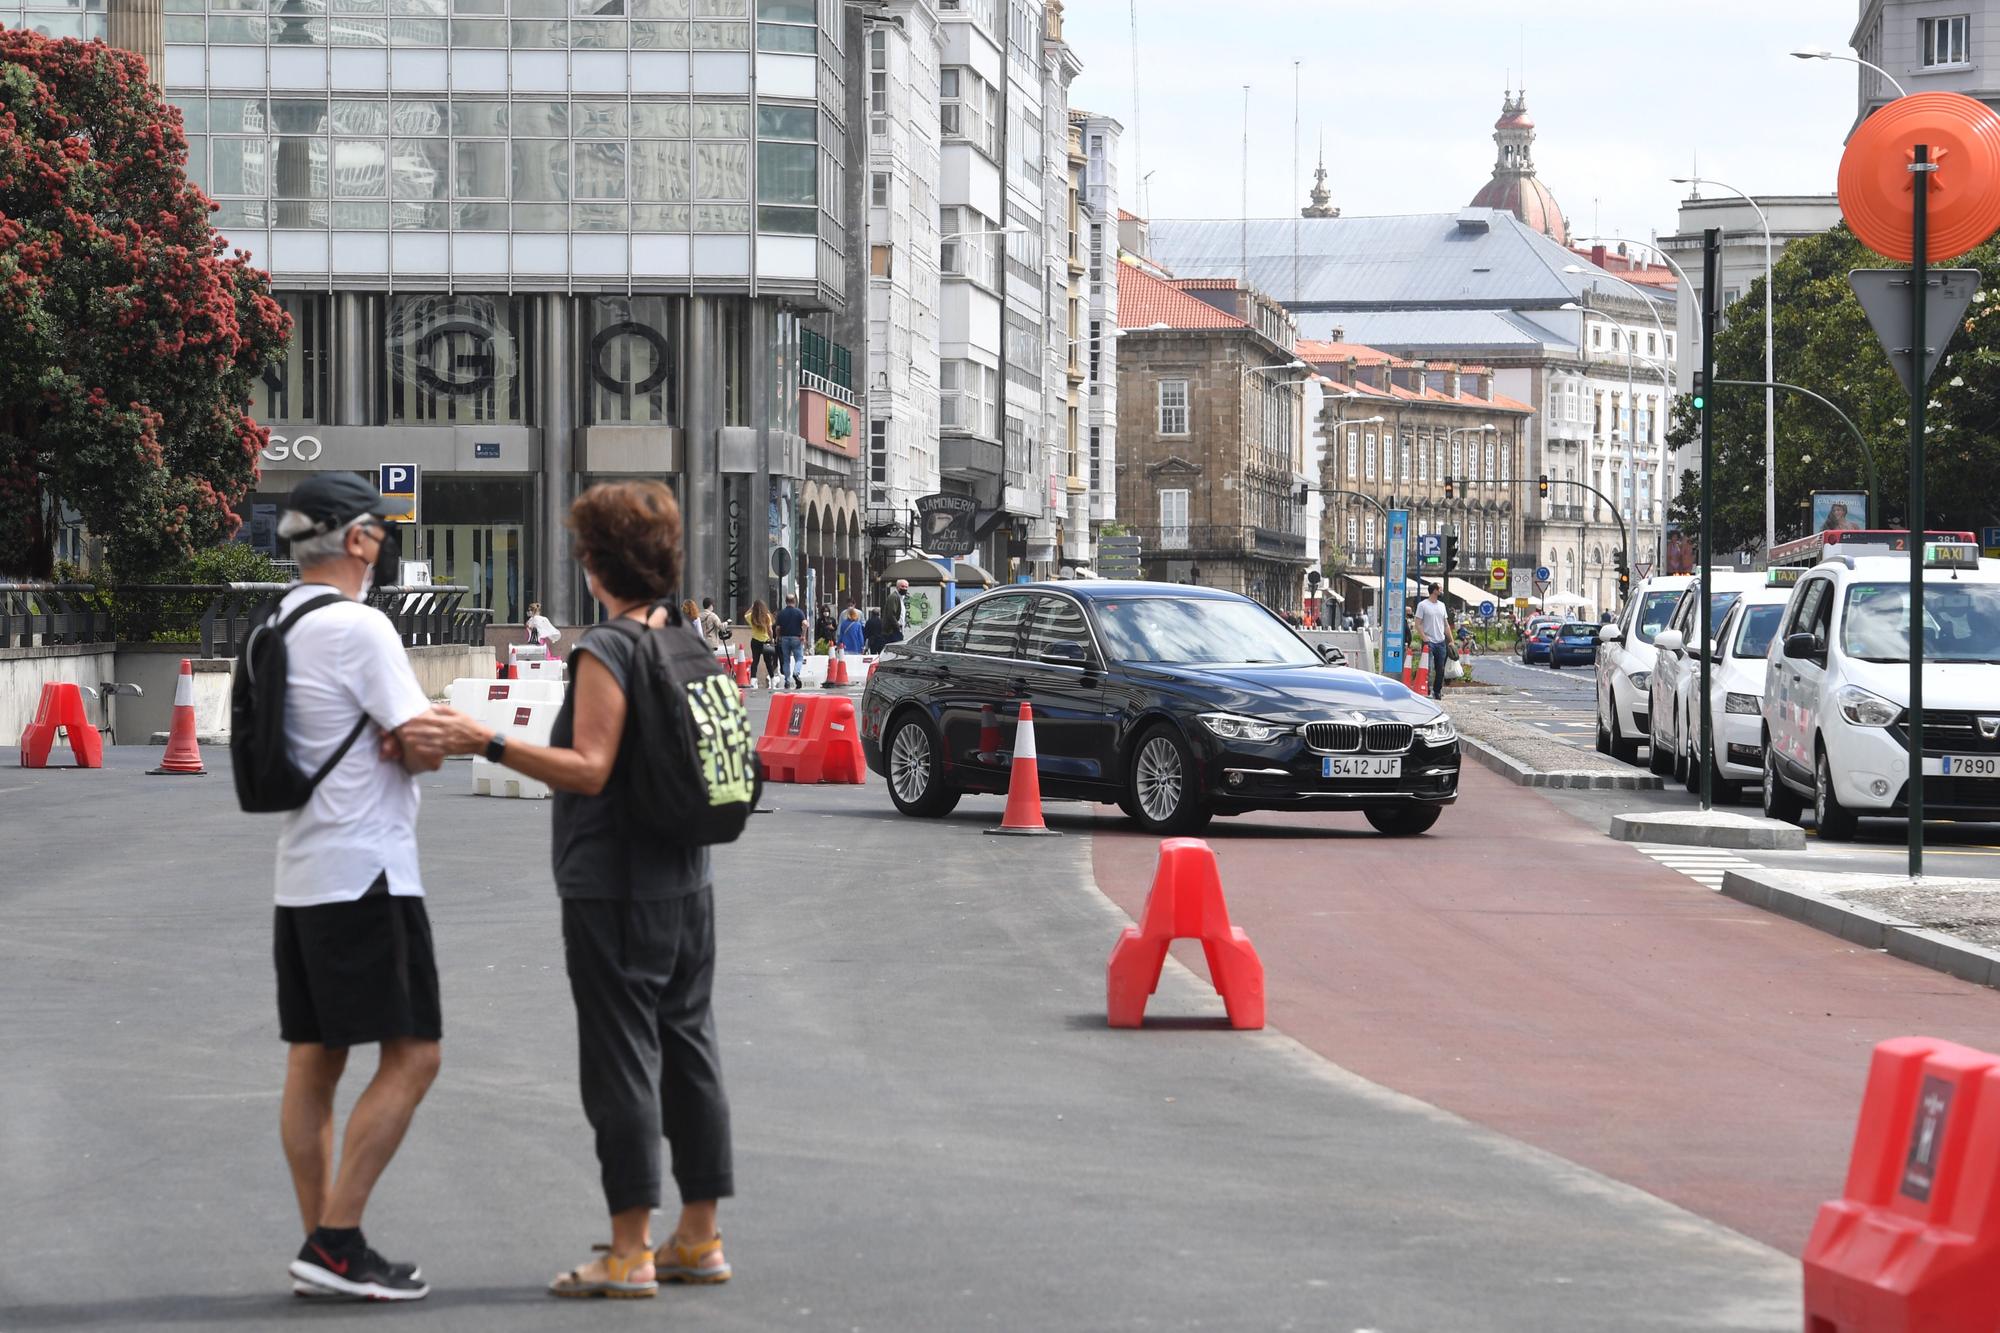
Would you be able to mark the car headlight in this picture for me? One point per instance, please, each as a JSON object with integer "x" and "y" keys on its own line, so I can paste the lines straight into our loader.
{"x": 1642, "y": 680}
{"x": 1752, "y": 704}
{"x": 1234, "y": 727}
{"x": 1438, "y": 731}
{"x": 1864, "y": 709}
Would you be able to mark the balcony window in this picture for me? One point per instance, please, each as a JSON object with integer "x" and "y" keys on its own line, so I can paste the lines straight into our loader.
{"x": 1173, "y": 520}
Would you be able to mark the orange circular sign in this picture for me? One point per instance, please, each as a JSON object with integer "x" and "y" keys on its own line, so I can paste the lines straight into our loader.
{"x": 1877, "y": 186}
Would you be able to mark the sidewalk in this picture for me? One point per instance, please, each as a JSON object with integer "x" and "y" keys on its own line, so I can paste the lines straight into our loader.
{"x": 1529, "y": 757}
{"x": 935, "y": 1129}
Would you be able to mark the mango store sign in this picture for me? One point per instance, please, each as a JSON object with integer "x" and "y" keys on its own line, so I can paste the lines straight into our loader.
{"x": 290, "y": 448}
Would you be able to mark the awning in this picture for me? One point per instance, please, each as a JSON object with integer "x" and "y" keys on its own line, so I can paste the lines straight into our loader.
{"x": 1373, "y": 582}
{"x": 930, "y": 571}
{"x": 1472, "y": 594}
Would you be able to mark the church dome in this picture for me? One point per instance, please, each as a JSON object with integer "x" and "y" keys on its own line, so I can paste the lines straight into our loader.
{"x": 1514, "y": 187}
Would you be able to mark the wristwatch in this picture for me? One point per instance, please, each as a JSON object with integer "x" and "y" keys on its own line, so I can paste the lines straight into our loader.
{"x": 496, "y": 747}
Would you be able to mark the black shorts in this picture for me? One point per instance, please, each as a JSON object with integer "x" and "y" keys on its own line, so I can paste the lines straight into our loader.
{"x": 356, "y": 972}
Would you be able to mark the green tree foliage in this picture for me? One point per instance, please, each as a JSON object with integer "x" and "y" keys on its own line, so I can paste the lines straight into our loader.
{"x": 128, "y": 340}
{"x": 1823, "y": 342}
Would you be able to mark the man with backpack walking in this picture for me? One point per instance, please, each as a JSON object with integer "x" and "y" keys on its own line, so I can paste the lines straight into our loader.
{"x": 334, "y": 735}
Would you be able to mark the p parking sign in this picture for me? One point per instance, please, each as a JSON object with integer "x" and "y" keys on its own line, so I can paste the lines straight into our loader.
{"x": 399, "y": 481}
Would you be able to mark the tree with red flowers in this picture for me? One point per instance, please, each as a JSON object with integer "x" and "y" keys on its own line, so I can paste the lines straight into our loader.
{"x": 128, "y": 340}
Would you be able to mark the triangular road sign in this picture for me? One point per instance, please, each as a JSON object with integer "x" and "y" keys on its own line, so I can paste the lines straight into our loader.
{"x": 1642, "y": 570}
{"x": 1885, "y": 298}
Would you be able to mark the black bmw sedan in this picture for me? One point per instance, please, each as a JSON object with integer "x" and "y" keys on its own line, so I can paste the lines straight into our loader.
{"x": 1177, "y": 703}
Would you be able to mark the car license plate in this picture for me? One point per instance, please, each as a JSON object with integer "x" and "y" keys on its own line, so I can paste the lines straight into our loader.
{"x": 1361, "y": 766}
{"x": 1963, "y": 765}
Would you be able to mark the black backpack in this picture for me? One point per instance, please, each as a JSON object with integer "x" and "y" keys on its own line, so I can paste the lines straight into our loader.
{"x": 688, "y": 759}
{"x": 266, "y": 778}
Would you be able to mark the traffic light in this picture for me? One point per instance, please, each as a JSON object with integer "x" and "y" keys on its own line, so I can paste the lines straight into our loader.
{"x": 1700, "y": 392}
{"x": 1447, "y": 488}
{"x": 1304, "y": 491}
{"x": 1450, "y": 552}
{"x": 1542, "y": 484}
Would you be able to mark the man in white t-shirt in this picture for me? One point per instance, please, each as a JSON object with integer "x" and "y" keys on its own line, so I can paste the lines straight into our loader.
{"x": 1434, "y": 623}
{"x": 352, "y": 941}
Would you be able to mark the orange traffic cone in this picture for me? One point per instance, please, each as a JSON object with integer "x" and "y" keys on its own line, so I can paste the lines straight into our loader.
{"x": 183, "y": 752}
{"x": 836, "y": 670}
{"x": 1023, "y": 816}
{"x": 743, "y": 670}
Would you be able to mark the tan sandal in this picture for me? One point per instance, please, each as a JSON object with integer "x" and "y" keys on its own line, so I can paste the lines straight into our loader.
{"x": 700, "y": 1264}
{"x": 617, "y": 1283}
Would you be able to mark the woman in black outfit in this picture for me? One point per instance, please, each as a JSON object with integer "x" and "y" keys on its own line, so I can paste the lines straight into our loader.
{"x": 638, "y": 922}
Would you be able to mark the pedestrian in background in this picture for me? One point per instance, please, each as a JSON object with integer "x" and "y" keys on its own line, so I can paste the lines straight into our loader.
{"x": 352, "y": 942}
{"x": 712, "y": 632}
{"x": 638, "y": 918}
{"x": 853, "y": 634}
{"x": 1434, "y": 623}
{"x": 824, "y": 627}
{"x": 894, "y": 608}
{"x": 873, "y": 632}
{"x": 763, "y": 650}
{"x": 791, "y": 623}
{"x": 541, "y": 629}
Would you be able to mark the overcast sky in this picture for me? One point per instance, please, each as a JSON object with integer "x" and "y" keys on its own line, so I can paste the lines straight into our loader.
{"x": 1624, "y": 96}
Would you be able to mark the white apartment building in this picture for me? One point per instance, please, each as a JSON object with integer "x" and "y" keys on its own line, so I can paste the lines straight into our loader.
{"x": 1097, "y": 201}
{"x": 904, "y": 46}
{"x": 977, "y": 322}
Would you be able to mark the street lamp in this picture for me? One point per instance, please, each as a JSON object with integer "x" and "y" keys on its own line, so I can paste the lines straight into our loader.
{"x": 1853, "y": 60}
{"x": 1770, "y": 366}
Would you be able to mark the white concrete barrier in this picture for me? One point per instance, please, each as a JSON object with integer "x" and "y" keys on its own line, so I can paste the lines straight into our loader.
{"x": 518, "y": 720}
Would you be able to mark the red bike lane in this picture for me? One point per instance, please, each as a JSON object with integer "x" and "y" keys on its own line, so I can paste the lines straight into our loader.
{"x": 1520, "y": 969}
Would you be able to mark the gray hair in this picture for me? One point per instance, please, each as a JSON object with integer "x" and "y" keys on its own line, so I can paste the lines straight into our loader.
{"x": 314, "y": 550}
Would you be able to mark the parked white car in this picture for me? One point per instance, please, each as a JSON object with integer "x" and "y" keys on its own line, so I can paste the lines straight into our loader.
{"x": 1736, "y": 691}
{"x": 1837, "y": 694}
{"x": 1625, "y": 665}
{"x": 1677, "y": 667}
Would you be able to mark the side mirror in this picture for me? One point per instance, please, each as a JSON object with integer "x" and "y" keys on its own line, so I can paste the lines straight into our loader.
{"x": 1333, "y": 655}
{"x": 1801, "y": 646}
{"x": 1065, "y": 653}
{"x": 1670, "y": 639}
{"x": 1609, "y": 634}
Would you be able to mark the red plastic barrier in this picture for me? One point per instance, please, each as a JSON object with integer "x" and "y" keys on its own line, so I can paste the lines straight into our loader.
{"x": 810, "y": 738}
{"x": 1913, "y": 1243}
{"x": 1185, "y": 903}
{"x": 61, "y": 705}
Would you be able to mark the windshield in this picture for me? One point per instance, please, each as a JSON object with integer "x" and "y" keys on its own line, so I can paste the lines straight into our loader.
{"x": 1654, "y": 612}
{"x": 1719, "y": 604}
{"x": 1961, "y": 622}
{"x": 1198, "y": 631}
{"x": 1579, "y": 630}
{"x": 1753, "y": 636}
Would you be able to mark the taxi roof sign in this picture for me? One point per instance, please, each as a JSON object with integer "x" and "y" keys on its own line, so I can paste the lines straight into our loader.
{"x": 1783, "y": 576}
{"x": 1951, "y": 555}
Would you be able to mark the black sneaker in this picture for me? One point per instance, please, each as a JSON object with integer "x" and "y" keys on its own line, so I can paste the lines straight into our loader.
{"x": 357, "y": 1272}
{"x": 305, "y": 1290}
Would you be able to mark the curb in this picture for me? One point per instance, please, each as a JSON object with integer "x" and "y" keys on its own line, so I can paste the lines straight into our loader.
{"x": 1867, "y": 928}
{"x": 1737, "y": 831}
{"x": 1518, "y": 773}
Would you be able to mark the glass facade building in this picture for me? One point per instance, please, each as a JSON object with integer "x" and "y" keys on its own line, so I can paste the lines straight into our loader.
{"x": 531, "y": 244}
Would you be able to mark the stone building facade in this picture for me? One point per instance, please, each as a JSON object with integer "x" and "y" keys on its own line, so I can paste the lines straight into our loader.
{"x": 1210, "y": 445}
{"x": 1393, "y": 430}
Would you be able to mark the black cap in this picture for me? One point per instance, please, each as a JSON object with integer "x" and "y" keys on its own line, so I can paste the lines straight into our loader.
{"x": 331, "y": 499}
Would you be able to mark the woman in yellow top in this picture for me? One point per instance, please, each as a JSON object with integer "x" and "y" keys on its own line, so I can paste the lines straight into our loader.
{"x": 763, "y": 648}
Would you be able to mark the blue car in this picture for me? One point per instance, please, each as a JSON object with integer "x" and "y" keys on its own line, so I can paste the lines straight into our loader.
{"x": 1535, "y": 643}
{"x": 1574, "y": 643}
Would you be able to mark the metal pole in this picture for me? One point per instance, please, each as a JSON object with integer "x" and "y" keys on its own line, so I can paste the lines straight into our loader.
{"x": 1770, "y": 410}
{"x": 1919, "y": 387}
{"x": 1711, "y": 245}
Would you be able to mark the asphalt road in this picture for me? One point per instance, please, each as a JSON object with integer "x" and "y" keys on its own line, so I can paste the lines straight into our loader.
{"x": 935, "y": 1129}
{"x": 1561, "y": 703}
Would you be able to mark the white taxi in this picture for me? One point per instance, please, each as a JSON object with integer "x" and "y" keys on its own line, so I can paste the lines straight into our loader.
{"x": 1676, "y": 683}
{"x": 1837, "y": 691}
{"x": 1736, "y": 690}
{"x": 1625, "y": 665}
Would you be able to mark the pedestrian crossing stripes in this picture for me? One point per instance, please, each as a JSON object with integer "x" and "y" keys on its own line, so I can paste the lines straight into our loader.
{"x": 1703, "y": 865}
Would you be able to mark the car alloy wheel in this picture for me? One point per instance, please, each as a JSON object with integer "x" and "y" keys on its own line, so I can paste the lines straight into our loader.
{"x": 1164, "y": 795}
{"x": 1779, "y": 800}
{"x": 913, "y": 772}
{"x": 1836, "y": 822}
